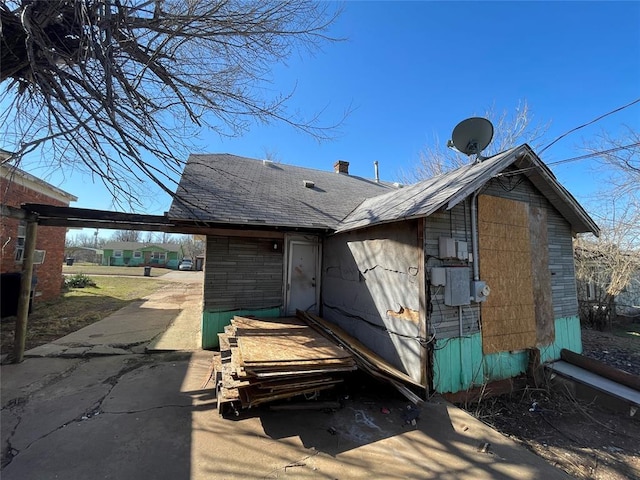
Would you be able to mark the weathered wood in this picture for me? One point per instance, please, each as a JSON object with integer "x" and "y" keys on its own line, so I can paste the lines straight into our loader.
{"x": 289, "y": 348}
{"x": 357, "y": 348}
{"x": 602, "y": 369}
{"x": 541, "y": 276}
{"x": 276, "y": 359}
{"x": 25, "y": 292}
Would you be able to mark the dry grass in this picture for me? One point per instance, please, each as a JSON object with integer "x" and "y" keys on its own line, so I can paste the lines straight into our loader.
{"x": 78, "y": 308}
{"x": 92, "y": 269}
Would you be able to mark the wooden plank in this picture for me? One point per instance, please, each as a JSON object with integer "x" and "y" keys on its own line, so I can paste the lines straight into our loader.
{"x": 278, "y": 349}
{"x": 545, "y": 324}
{"x": 361, "y": 351}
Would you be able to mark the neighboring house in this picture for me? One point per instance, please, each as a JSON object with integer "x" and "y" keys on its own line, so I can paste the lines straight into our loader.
{"x": 135, "y": 254}
{"x": 405, "y": 270}
{"x": 608, "y": 282}
{"x": 18, "y": 187}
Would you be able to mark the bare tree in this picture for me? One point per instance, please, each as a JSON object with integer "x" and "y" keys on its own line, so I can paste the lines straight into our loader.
{"x": 108, "y": 84}
{"x": 620, "y": 157}
{"x": 510, "y": 129}
{"x": 193, "y": 245}
{"x": 84, "y": 240}
{"x": 126, "y": 236}
{"x": 607, "y": 267}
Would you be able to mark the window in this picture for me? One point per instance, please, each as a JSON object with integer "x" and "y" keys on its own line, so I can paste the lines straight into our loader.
{"x": 21, "y": 237}
{"x": 137, "y": 254}
{"x": 159, "y": 256}
{"x": 117, "y": 253}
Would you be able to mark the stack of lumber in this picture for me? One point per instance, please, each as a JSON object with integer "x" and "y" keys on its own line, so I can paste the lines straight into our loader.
{"x": 366, "y": 359}
{"x": 262, "y": 360}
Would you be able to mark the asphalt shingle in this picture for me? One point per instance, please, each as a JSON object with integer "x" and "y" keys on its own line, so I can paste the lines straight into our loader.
{"x": 224, "y": 188}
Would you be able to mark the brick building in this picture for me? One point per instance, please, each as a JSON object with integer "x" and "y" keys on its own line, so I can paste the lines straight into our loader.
{"x": 18, "y": 187}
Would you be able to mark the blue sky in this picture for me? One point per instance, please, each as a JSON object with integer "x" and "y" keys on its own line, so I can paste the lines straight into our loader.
{"x": 411, "y": 71}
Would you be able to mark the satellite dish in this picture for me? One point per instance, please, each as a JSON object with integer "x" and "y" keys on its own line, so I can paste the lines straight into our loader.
{"x": 471, "y": 136}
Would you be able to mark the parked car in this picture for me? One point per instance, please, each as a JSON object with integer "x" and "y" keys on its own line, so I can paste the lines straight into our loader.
{"x": 185, "y": 265}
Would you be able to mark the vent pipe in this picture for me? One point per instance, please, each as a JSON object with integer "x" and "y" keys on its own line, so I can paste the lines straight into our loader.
{"x": 376, "y": 172}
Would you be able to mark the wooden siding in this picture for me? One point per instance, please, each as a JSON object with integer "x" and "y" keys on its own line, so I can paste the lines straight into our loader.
{"x": 455, "y": 223}
{"x": 242, "y": 274}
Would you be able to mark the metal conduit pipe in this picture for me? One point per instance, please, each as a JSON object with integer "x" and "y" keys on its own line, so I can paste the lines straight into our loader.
{"x": 474, "y": 235}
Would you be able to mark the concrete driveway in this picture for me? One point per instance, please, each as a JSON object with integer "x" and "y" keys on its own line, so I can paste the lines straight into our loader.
{"x": 126, "y": 415}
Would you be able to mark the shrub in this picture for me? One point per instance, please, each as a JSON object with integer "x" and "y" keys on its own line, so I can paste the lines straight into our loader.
{"x": 79, "y": 280}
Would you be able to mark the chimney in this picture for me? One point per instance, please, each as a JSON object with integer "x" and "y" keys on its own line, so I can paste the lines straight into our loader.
{"x": 341, "y": 167}
{"x": 376, "y": 172}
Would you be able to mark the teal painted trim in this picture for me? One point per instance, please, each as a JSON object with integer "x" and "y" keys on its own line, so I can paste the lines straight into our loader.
{"x": 568, "y": 335}
{"x": 134, "y": 262}
{"x": 459, "y": 364}
{"x": 213, "y": 323}
{"x": 501, "y": 365}
{"x": 173, "y": 263}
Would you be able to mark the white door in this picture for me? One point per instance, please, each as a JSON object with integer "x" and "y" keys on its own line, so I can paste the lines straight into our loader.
{"x": 302, "y": 284}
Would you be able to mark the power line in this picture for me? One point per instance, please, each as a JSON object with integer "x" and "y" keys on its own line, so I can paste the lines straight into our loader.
{"x": 637, "y": 100}
{"x": 574, "y": 159}
{"x": 595, "y": 154}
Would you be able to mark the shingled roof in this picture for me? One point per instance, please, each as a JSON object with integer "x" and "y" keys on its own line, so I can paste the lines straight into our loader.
{"x": 228, "y": 189}
{"x": 447, "y": 190}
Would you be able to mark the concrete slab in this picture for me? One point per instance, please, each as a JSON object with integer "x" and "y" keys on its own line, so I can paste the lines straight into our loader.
{"x": 170, "y": 318}
{"x": 100, "y": 350}
{"x": 147, "y": 416}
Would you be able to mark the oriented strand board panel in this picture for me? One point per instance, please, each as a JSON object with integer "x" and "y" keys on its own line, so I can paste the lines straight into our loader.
{"x": 508, "y": 314}
{"x": 311, "y": 347}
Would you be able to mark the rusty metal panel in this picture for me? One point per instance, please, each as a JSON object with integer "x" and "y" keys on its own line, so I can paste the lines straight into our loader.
{"x": 372, "y": 280}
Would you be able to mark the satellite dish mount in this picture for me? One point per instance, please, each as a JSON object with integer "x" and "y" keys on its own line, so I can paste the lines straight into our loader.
{"x": 471, "y": 137}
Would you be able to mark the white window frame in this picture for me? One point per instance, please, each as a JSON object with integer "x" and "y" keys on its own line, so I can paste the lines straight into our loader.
{"x": 137, "y": 254}
{"x": 117, "y": 253}
{"x": 159, "y": 255}
{"x": 21, "y": 239}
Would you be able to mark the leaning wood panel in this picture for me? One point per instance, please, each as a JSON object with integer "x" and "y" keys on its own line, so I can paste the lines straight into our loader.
{"x": 508, "y": 315}
{"x": 541, "y": 276}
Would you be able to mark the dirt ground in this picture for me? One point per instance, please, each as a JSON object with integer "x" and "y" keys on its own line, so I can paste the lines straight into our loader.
{"x": 584, "y": 439}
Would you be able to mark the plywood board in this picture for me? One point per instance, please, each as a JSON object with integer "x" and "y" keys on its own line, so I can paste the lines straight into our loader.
{"x": 508, "y": 319}
{"x": 257, "y": 349}
{"x": 545, "y": 324}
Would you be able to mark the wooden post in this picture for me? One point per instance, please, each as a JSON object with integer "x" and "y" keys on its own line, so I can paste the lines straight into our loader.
{"x": 25, "y": 290}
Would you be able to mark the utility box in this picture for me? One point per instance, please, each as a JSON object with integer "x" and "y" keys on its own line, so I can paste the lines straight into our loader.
{"x": 456, "y": 289}
{"x": 479, "y": 291}
{"x": 462, "y": 250}
{"x": 447, "y": 247}
{"x": 438, "y": 276}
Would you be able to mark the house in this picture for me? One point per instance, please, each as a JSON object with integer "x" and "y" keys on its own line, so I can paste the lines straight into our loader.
{"x": 608, "y": 282}
{"x": 20, "y": 187}
{"x": 452, "y": 280}
{"x": 134, "y": 254}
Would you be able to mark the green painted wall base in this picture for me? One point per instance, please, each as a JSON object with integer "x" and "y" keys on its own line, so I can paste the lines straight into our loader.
{"x": 213, "y": 323}
{"x": 459, "y": 364}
